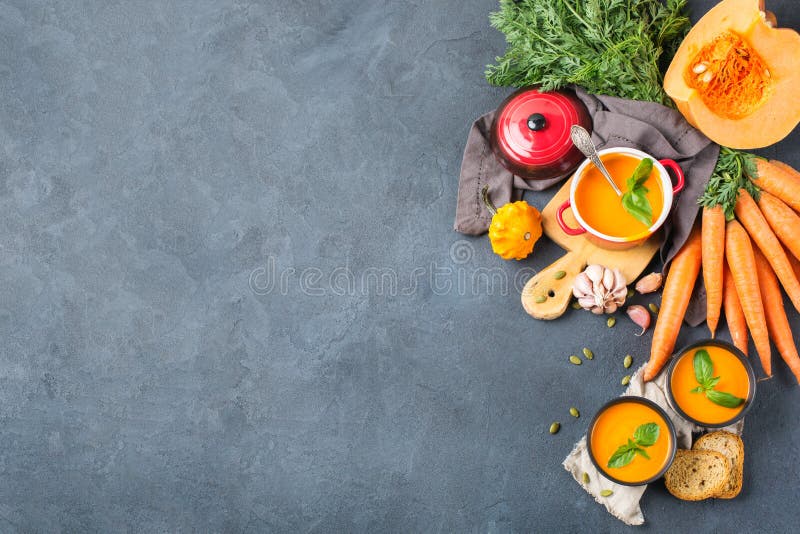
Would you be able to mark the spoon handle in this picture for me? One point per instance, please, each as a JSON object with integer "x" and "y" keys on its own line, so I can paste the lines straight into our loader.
{"x": 582, "y": 139}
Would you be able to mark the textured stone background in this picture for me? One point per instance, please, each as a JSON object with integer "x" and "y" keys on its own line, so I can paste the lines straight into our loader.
{"x": 203, "y": 207}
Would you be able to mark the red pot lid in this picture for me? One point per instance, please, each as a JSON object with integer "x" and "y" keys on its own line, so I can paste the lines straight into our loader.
{"x": 532, "y": 128}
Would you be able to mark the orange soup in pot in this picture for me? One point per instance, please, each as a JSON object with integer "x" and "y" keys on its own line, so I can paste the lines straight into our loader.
{"x": 733, "y": 379}
{"x": 598, "y": 204}
{"x": 615, "y": 425}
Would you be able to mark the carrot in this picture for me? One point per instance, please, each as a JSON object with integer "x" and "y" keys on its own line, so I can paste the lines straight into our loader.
{"x": 778, "y": 181}
{"x": 742, "y": 262}
{"x": 713, "y": 239}
{"x": 734, "y": 315}
{"x": 674, "y": 301}
{"x": 788, "y": 168}
{"x": 751, "y": 217}
{"x": 783, "y": 220}
{"x": 772, "y": 300}
{"x": 795, "y": 263}
{"x": 777, "y": 323}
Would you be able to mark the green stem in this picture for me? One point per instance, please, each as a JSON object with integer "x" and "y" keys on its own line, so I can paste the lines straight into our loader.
{"x": 486, "y": 201}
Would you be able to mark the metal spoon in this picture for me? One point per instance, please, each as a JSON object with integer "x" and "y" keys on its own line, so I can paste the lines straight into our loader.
{"x": 583, "y": 140}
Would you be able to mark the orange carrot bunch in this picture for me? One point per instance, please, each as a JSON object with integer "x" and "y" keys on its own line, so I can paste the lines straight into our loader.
{"x": 749, "y": 248}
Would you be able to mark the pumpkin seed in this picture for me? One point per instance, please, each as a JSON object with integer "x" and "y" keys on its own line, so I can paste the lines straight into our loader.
{"x": 589, "y": 354}
{"x": 653, "y": 307}
{"x": 630, "y": 292}
{"x": 606, "y": 493}
{"x": 575, "y": 360}
{"x": 628, "y": 361}
{"x": 555, "y": 427}
{"x": 558, "y": 275}
{"x": 573, "y": 411}
{"x": 611, "y": 322}
{"x": 576, "y": 305}
{"x": 539, "y": 299}
{"x": 625, "y": 380}
{"x": 585, "y": 478}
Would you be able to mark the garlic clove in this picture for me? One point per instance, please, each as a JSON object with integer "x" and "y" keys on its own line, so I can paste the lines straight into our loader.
{"x": 595, "y": 273}
{"x": 608, "y": 279}
{"x": 586, "y": 302}
{"x": 640, "y": 316}
{"x": 581, "y": 286}
{"x": 650, "y": 283}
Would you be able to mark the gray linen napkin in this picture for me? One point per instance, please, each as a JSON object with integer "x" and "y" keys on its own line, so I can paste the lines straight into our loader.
{"x": 624, "y": 502}
{"x": 650, "y": 127}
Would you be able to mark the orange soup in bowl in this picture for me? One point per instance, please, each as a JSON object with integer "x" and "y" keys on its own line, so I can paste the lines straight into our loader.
{"x": 711, "y": 383}
{"x": 598, "y": 204}
{"x": 631, "y": 441}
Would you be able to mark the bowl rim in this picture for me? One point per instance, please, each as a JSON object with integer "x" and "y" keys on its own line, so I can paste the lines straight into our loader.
{"x": 733, "y": 349}
{"x": 647, "y": 402}
{"x": 666, "y": 188}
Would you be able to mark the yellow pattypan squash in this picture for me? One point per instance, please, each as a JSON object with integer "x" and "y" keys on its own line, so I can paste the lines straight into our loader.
{"x": 514, "y": 229}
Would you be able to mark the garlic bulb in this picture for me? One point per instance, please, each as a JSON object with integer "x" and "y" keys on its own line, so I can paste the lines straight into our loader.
{"x": 600, "y": 289}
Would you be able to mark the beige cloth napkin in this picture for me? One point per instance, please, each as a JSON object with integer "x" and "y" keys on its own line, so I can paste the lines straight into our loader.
{"x": 624, "y": 502}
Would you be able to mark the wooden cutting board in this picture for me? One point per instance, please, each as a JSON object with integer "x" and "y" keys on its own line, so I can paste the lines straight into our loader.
{"x": 580, "y": 252}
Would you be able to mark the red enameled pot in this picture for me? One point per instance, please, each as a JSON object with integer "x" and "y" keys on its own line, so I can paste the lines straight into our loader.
{"x": 530, "y": 134}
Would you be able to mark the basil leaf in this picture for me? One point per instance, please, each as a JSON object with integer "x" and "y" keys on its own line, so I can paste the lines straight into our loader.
{"x": 703, "y": 368}
{"x": 633, "y": 205}
{"x": 713, "y": 382}
{"x": 635, "y": 200}
{"x": 724, "y": 399}
{"x": 698, "y": 389}
{"x": 641, "y": 173}
{"x": 621, "y": 457}
{"x": 642, "y": 452}
{"x": 646, "y": 434}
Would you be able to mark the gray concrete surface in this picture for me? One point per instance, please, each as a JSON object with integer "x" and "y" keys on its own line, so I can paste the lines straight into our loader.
{"x": 231, "y": 299}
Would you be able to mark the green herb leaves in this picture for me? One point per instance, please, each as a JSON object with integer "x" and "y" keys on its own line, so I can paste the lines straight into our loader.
{"x": 724, "y": 399}
{"x": 634, "y": 200}
{"x": 703, "y": 371}
{"x": 733, "y": 171}
{"x": 644, "y": 436}
{"x": 609, "y": 47}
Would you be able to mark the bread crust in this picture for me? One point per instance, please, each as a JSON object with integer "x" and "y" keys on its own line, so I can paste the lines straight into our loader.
{"x": 710, "y": 441}
{"x": 696, "y": 465}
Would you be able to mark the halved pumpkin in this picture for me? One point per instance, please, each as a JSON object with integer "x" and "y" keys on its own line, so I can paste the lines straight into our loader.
{"x": 736, "y": 78}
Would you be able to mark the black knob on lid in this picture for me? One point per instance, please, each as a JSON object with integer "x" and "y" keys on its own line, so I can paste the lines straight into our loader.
{"x": 536, "y": 122}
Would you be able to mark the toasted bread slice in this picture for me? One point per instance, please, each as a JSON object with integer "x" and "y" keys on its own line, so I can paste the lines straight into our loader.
{"x": 697, "y": 475}
{"x": 731, "y": 446}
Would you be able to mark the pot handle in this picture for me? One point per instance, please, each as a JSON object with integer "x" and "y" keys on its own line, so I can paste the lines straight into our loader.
{"x": 670, "y": 164}
{"x": 562, "y": 224}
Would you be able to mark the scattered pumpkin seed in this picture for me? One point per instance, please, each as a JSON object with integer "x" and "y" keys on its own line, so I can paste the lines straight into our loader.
{"x": 558, "y": 275}
{"x": 653, "y": 307}
{"x": 573, "y": 411}
{"x": 576, "y": 305}
{"x": 628, "y": 361}
{"x": 631, "y": 292}
{"x": 611, "y": 322}
{"x": 575, "y": 360}
{"x": 588, "y": 353}
{"x": 539, "y": 299}
{"x": 585, "y": 477}
{"x": 555, "y": 427}
{"x": 606, "y": 493}
{"x": 625, "y": 380}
